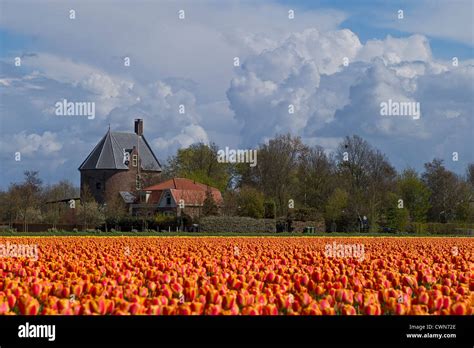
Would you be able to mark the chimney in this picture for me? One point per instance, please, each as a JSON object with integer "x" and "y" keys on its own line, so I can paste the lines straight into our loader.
{"x": 139, "y": 126}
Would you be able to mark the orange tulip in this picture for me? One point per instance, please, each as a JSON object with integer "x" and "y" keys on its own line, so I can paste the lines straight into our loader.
{"x": 4, "y": 308}
{"x": 199, "y": 276}
{"x": 348, "y": 310}
{"x": 459, "y": 308}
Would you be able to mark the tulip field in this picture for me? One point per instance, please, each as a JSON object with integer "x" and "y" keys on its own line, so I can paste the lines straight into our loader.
{"x": 238, "y": 276}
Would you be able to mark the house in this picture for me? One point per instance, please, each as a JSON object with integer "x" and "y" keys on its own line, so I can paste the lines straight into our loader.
{"x": 118, "y": 165}
{"x": 180, "y": 195}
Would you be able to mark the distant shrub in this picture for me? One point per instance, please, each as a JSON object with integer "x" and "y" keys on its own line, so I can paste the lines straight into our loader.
{"x": 156, "y": 223}
{"x": 417, "y": 228}
{"x": 161, "y": 219}
{"x": 305, "y": 214}
{"x": 7, "y": 229}
{"x": 440, "y": 228}
{"x": 300, "y": 218}
{"x": 300, "y": 226}
{"x": 236, "y": 224}
{"x": 269, "y": 210}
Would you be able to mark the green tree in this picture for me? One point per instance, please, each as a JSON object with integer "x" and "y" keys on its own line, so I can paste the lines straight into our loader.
{"x": 269, "y": 208}
{"x": 250, "y": 202}
{"x": 336, "y": 204}
{"x": 275, "y": 172}
{"x": 397, "y": 218}
{"x": 209, "y": 206}
{"x": 464, "y": 208}
{"x": 415, "y": 195}
{"x": 199, "y": 162}
{"x": 162, "y": 219}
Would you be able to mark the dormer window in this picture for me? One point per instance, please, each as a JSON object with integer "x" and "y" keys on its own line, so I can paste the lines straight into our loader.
{"x": 168, "y": 199}
{"x": 134, "y": 160}
{"x": 126, "y": 157}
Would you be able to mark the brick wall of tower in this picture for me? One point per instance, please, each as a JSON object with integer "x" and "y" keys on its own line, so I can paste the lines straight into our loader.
{"x": 102, "y": 183}
{"x": 111, "y": 182}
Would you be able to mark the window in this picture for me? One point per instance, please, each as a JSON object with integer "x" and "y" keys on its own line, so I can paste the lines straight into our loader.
{"x": 135, "y": 160}
{"x": 126, "y": 157}
{"x": 98, "y": 186}
{"x": 138, "y": 182}
{"x": 168, "y": 199}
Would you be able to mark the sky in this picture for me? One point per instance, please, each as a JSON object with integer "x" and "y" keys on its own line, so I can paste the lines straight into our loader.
{"x": 334, "y": 62}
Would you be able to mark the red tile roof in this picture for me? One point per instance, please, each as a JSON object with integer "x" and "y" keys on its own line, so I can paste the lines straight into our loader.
{"x": 180, "y": 184}
{"x": 194, "y": 197}
{"x": 192, "y": 192}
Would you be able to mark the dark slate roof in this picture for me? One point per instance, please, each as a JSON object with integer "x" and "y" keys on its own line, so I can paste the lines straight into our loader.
{"x": 127, "y": 197}
{"x": 108, "y": 153}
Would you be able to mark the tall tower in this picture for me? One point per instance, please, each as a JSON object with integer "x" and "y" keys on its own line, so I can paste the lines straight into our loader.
{"x": 108, "y": 169}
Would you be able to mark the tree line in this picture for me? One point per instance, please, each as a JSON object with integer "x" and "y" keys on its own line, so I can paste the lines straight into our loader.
{"x": 291, "y": 179}
{"x": 29, "y": 201}
{"x": 356, "y": 181}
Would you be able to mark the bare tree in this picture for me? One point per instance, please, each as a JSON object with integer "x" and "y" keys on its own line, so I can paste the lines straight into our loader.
{"x": 366, "y": 175}
{"x": 25, "y": 199}
{"x": 443, "y": 185}
{"x": 470, "y": 174}
{"x": 114, "y": 210}
{"x": 314, "y": 177}
{"x": 55, "y": 198}
{"x": 89, "y": 210}
{"x": 275, "y": 173}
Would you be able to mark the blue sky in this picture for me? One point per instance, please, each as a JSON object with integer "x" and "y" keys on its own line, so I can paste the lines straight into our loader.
{"x": 190, "y": 62}
{"x": 366, "y": 28}
{"x": 357, "y": 22}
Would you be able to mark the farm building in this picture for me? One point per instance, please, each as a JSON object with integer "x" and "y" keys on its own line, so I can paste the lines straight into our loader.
{"x": 122, "y": 162}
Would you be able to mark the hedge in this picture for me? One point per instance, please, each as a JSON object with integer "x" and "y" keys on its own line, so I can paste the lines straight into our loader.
{"x": 237, "y": 224}
{"x": 299, "y": 226}
{"x": 441, "y": 228}
{"x": 305, "y": 214}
